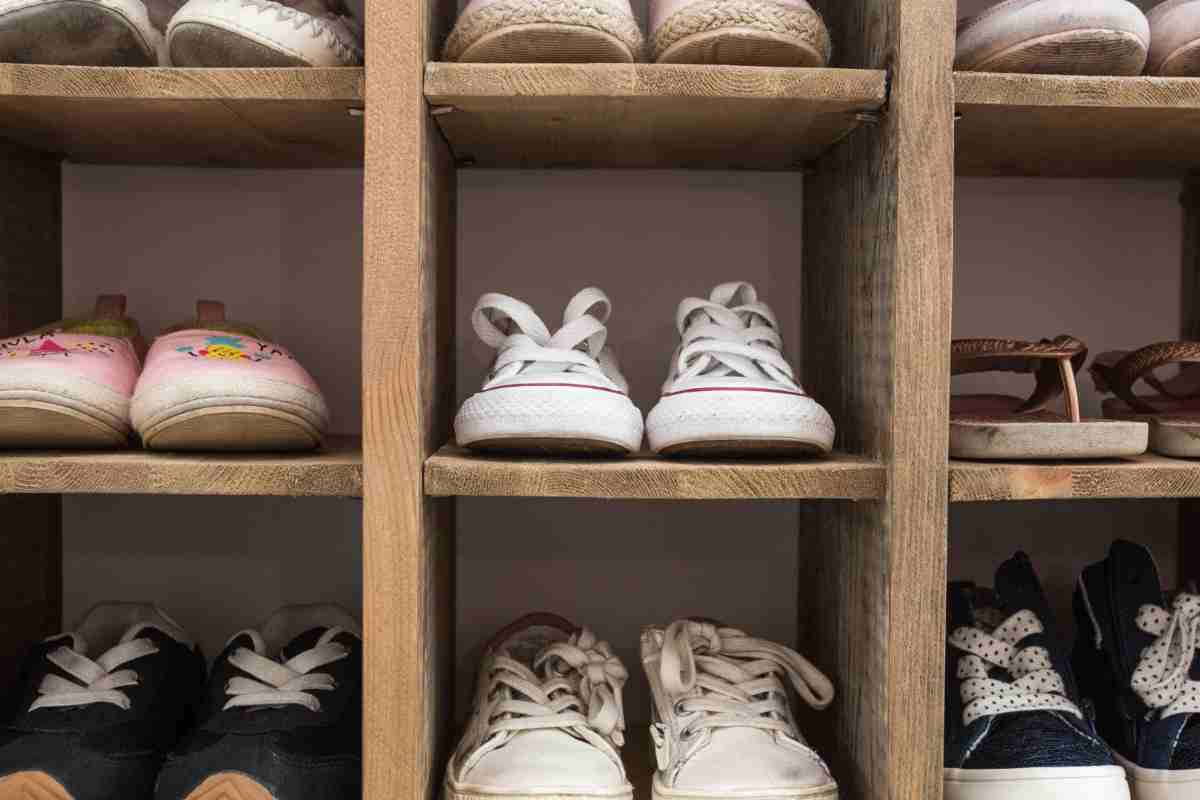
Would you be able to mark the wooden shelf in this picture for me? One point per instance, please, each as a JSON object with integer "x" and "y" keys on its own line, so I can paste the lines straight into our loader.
{"x": 1064, "y": 126}
{"x": 647, "y": 115}
{"x": 456, "y": 472}
{"x": 218, "y": 117}
{"x": 1142, "y": 477}
{"x": 334, "y": 471}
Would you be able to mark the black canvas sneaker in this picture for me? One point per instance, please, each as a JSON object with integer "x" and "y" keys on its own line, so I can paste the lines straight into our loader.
{"x": 282, "y": 717}
{"x": 1015, "y": 727}
{"x": 98, "y": 708}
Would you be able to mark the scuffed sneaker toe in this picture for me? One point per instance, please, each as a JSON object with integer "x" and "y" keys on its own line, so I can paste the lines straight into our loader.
{"x": 260, "y": 33}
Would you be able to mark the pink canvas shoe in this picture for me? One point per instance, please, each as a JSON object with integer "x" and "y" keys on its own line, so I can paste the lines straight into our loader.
{"x": 69, "y": 384}
{"x": 216, "y": 385}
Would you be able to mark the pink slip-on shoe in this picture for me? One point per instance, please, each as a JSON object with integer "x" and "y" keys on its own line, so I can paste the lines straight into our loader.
{"x": 210, "y": 384}
{"x": 68, "y": 385}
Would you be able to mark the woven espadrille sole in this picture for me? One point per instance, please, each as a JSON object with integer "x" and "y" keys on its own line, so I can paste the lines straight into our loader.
{"x": 561, "y": 31}
{"x": 230, "y": 786}
{"x": 233, "y": 428}
{"x": 32, "y": 786}
{"x": 1079, "y": 52}
{"x": 36, "y": 424}
{"x": 749, "y": 32}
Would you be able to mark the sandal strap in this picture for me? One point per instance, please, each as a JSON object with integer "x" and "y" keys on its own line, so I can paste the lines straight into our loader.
{"x": 1053, "y": 361}
{"x": 1117, "y": 371}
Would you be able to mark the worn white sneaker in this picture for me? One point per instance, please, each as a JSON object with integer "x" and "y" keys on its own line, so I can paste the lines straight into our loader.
{"x": 547, "y": 721}
{"x": 264, "y": 33}
{"x": 730, "y": 390}
{"x": 559, "y": 394}
{"x": 722, "y": 726}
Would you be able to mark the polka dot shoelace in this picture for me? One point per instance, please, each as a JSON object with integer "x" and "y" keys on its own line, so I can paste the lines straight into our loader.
{"x": 1035, "y": 684}
{"x": 1161, "y": 677}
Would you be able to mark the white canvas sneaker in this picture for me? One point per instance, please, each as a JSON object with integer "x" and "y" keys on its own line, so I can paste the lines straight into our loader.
{"x": 547, "y": 721}
{"x": 722, "y": 726}
{"x": 730, "y": 390}
{"x": 560, "y": 393}
{"x": 264, "y": 33}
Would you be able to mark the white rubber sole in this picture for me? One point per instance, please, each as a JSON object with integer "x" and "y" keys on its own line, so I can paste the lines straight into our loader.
{"x": 565, "y": 419}
{"x": 825, "y": 791}
{"x": 734, "y": 421}
{"x": 1161, "y": 784}
{"x": 1041, "y": 783}
{"x": 453, "y": 791}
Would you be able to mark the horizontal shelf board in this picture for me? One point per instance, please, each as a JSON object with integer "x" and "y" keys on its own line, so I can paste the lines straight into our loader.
{"x": 1076, "y": 126}
{"x": 647, "y": 115}
{"x": 1145, "y": 476}
{"x": 218, "y": 117}
{"x": 457, "y": 472}
{"x": 334, "y": 471}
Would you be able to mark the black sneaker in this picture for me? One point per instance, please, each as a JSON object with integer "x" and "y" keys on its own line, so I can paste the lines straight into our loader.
{"x": 283, "y": 715}
{"x": 1014, "y": 726}
{"x": 1136, "y": 660}
{"x": 98, "y": 708}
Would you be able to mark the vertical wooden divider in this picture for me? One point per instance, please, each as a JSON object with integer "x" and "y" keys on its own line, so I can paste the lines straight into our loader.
{"x": 30, "y": 296}
{"x": 1189, "y": 329}
{"x": 408, "y": 389}
{"x": 878, "y": 263}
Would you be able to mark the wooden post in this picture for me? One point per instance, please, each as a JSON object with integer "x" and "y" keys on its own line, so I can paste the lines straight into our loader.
{"x": 30, "y": 296}
{"x": 878, "y": 262}
{"x": 408, "y": 388}
{"x": 1189, "y": 322}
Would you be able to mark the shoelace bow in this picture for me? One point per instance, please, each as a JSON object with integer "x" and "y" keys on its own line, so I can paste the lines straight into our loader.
{"x": 526, "y": 346}
{"x": 737, "y": 677}
{"x": 581, "y": 688}
{"x": 99, "y": 681}
{"x": 719, "y": 340}
{"x": 1161, "y": 676}
{"x": 1036, "y": 685}
{"x": 275, "y": 684}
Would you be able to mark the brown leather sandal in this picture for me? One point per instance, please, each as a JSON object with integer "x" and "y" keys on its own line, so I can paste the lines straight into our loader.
{"x": 988, "y": 426}
{"x": 1174, "y": 412}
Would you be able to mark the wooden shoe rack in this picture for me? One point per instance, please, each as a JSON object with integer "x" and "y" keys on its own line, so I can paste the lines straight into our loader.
{"x": 876, "y": 138}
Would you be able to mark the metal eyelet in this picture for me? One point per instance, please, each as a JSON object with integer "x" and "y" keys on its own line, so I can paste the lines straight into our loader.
{"x": 679, "y": 712}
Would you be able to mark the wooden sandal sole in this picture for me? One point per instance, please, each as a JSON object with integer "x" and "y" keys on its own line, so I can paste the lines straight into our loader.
{"x": 233, "y": 429}
{"x": 1012, "y": 438}
{"x": 26, "y": 424}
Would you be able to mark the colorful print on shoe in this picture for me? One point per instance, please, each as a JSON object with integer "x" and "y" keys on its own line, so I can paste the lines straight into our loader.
{"x": 216, "y": 385}
{"x": 69, "y": 384}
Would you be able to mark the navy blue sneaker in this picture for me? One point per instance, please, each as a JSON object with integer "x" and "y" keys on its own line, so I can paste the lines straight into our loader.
{"x": 283, "y": 715}
{"x": 97, "y": 709}
{"x": 1014, "y": 725}
{"x": 1136, "y": 660}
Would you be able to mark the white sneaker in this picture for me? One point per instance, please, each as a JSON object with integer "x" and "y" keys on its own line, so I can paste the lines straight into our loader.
{"x": 263, "y": 33}
{"x": 548, "y": 720}
{"x": 730, "y": 391}
{"x": 560, "y": 393}
{"x": 722, "y": 727}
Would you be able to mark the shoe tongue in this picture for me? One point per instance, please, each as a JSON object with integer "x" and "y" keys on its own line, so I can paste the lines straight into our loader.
{"x": 1018, "y": 588}
{"x": 1133, "y": 582}
{"x": 525, "y": 639}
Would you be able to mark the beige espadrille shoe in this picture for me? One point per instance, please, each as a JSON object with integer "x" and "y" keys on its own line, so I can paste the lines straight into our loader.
{"x": 769, "y": 33}
{"x": 564, "y": 31}
{"x": 1175, "y": 39}
{"x": 1060, "y": 37}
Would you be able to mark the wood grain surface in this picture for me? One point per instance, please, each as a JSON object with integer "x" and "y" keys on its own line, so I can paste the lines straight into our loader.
{"x": 1063, "y": 126}
{"x": 30, "y": 296}
{"x": 335, "y": 470}
{"x": 878, "y": 261}
{"x": 454, "y": 471}
{"x": 408, "y": 381}
{"x": 218, "y": 117}
{"x": 646, "y": 115}
{"x": 1144, "y": 476}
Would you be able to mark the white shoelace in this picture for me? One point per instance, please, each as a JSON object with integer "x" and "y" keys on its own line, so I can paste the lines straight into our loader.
{"x": 1036, "y": 686}
{"x": 99, "y": 681}
{"x": 274, "y": 684}
{"x": 318, "y": 27}
{"x": 720, "y": 340}
{"x": 526, "y": 346}
{"x": 579, "y": 690}
{"x": 1161, "y": 677}
{"x": 737, "y": 677}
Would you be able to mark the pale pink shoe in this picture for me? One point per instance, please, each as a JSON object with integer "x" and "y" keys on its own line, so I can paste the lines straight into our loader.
{"x": 216, "y": 385}
{"x": 1175, "y": 39}
{"x": 579, "y": 31}
{"x": 763, "y": 33}
{"x": 68, "y": 385}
